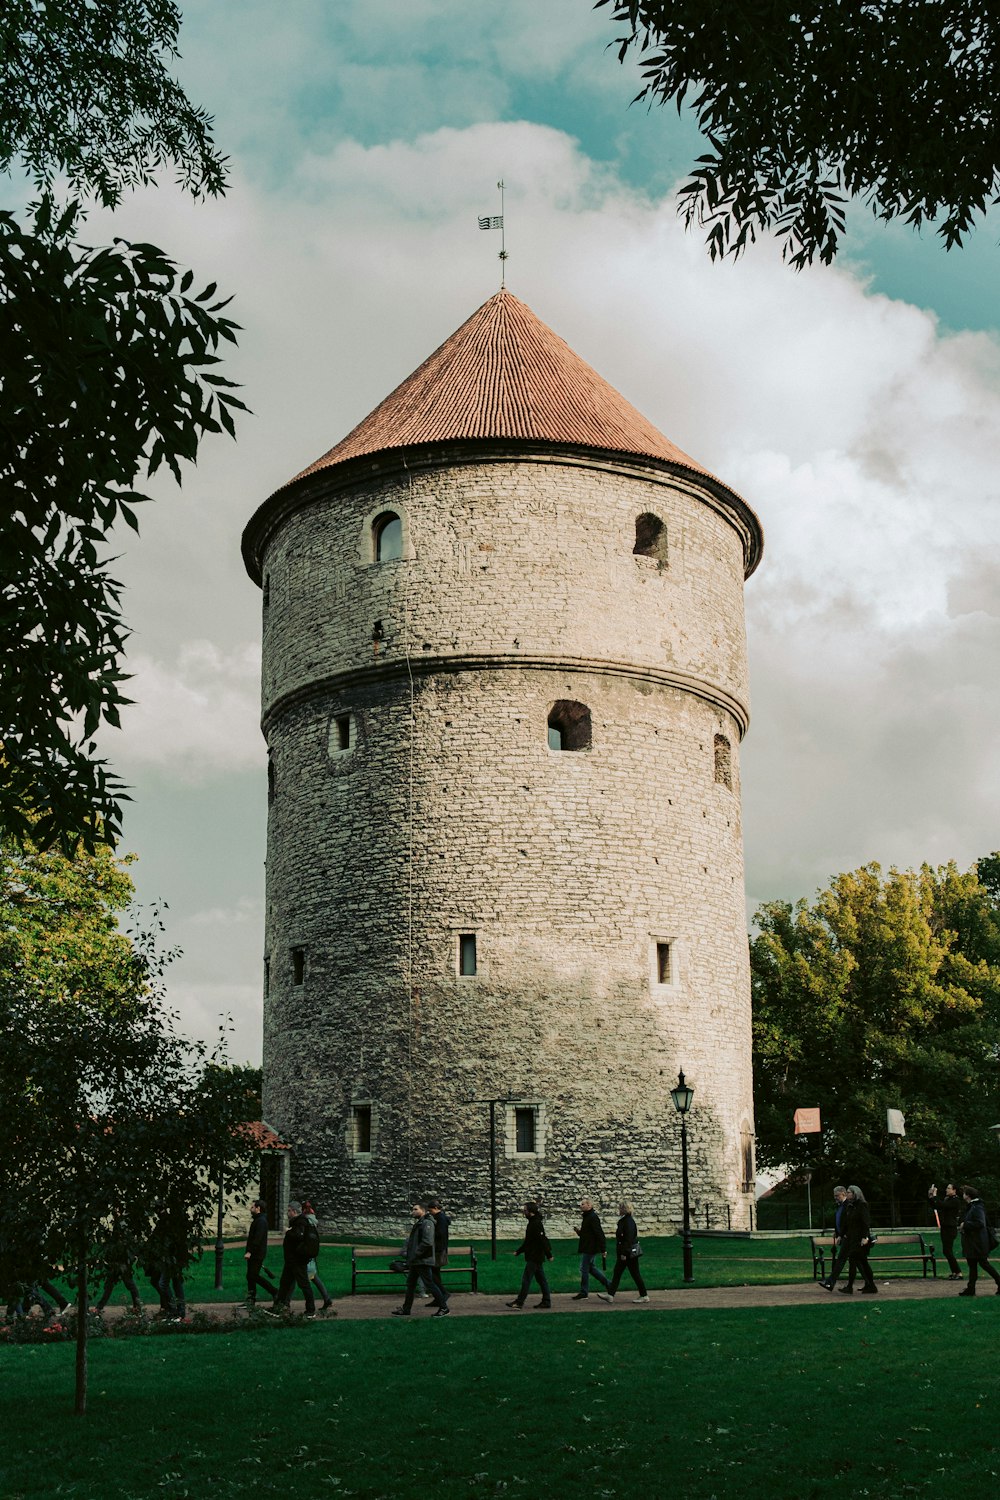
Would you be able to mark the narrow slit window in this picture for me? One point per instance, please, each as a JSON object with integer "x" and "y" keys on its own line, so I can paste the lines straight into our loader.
{"x": 746, "y": 1152}
{"x": 467, "y": 954}
{"x": 342, "y": 732}
{"x": 361, "y": 1123}
{"x": 271, "y": 783}
{"x": 387, "y": 536}
{"x": 298, "y": 966}
{"x": 663, "y": 963}
{"x": 723, "y": 761}
{"x": 525, "y": 1135}
{"x": 569, "y": 726}
{"x": 267, "y": 976}
{"x": 266, "y": 590}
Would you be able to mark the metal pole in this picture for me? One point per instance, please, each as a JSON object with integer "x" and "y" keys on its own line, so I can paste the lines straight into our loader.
{"x": 220, "y": 1248}
{"x": 892, "y": 1182}
{"x": 688, "y": 1267}
{"x": 493, "y": 1179}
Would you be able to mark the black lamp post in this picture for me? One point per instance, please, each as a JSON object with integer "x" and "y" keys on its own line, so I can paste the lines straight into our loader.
{"x": 682, "y": 1096}
{"x": 507, "y": 1098}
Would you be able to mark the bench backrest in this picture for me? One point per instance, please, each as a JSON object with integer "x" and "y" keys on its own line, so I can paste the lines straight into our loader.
{"x": 368, "y": 1251}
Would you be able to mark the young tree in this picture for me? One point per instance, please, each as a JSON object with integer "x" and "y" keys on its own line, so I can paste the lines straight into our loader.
{"x": 806, "y": 106}
{"x": 105, "y": 1113}
{"x": 883, "y": 993}
{"x": 109, "y": 373}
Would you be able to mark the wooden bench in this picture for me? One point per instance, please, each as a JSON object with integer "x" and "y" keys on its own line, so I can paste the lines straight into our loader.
{"x": 918, "y": 1248}
{"x": 386, "y": 1254}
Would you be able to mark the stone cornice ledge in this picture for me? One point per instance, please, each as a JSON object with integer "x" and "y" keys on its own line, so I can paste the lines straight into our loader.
{"x": 426, "y": 666}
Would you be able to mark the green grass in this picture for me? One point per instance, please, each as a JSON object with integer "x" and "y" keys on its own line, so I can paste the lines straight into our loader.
{"x": 717, "y": 1262}
{"x": 790, "y": 1403}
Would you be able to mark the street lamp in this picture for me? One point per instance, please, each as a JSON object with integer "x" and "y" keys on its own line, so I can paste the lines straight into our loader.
{"x": 507, "y": 1098}
{"x": 682, "y": 1096}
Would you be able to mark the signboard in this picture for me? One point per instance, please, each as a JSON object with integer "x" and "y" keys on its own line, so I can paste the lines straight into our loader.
{"x": 807, "y": 1122}
{"x": 894, "y": 1122}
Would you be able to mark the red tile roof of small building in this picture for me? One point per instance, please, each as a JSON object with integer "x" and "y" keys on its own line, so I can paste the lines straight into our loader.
{"x": 505, "y": 375}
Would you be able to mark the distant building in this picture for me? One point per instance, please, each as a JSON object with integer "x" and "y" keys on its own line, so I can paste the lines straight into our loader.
{"x": 504, "y": 689}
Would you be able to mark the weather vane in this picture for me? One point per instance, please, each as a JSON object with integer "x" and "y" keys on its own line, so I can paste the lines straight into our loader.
{"x": 495, "y": 221}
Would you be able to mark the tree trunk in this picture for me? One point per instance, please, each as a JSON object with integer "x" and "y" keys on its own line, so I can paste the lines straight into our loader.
{"x": 82, "y": 1315}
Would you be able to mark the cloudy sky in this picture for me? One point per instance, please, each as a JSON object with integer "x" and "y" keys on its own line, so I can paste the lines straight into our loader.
{"x": 857, "y": 409}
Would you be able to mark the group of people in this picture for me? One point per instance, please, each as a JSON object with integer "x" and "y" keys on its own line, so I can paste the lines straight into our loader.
{"x": 591, "y": 1242}
{"x": 960, "y": 1212}
{"x": 162, "y": 1253}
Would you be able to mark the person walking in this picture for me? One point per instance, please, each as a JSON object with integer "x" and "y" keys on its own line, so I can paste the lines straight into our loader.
{"x": 256, "y": 1253}
{"x": 856, "y": 1234}
{"x": 432, "y": 1277}
{"x": 311, "y": 1270}
{"x": 169, "y": 1253}
{"x": 948, "y": 1212}
{"x": 627, "y": 1253}
{"x": 419, "y": 1257}
{"x": 119, "y": 1264}
{"x": 976, "y": 1241}
{"x": 839, "y": 1252}
{"x": 536, "y": 1250}
{"x": 592, "y": 1243}
{"x": 300, "y": 1241}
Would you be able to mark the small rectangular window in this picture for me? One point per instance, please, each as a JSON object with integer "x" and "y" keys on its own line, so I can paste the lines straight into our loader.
{"x": 524, "y": 1132}
{"x": 298, "y": 965}
{"x": 361, "y": 1120}
{"x": 663, "y": 963}
{"x": 267, "y": 976}
{"x": 467, "y": 953}
{"x": 342, "y": 723}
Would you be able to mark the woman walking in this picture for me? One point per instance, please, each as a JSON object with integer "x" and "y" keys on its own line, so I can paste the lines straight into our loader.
{"x": 856, "y": 1235}
{"x": 628, "y": 1250}
{"x": 976, "y": 1241}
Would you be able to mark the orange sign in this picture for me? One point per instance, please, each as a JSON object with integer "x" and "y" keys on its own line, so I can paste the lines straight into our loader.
{"x": 807, "y": 1122}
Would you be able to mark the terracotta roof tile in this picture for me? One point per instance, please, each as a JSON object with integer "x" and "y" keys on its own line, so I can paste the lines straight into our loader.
{"x": 505, "y": 375}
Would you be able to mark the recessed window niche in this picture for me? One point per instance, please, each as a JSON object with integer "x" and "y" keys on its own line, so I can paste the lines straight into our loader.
{"x": 569, "y": 726}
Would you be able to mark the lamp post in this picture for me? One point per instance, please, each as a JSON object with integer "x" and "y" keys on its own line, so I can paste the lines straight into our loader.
{"x": 682, "y": 1096}
{"x": 507, "y": 1098}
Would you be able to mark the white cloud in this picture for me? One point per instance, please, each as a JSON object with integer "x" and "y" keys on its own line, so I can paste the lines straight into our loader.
{"x": 197, "y": 714}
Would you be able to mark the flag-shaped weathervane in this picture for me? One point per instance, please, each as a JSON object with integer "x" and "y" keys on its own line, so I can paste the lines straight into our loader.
{"x": 495, "y": 221}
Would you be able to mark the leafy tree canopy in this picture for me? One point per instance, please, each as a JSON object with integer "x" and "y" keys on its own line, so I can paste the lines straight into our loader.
{"x": 87, "y": 96}
{"x": 110, "y": 372}
{"x": 884, "y": 993}
{"x": 806, "y": 106}
{"x": 106, "y": 1114}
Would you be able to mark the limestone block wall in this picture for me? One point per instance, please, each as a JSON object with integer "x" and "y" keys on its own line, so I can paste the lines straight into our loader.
{"x": 416, "y": 800}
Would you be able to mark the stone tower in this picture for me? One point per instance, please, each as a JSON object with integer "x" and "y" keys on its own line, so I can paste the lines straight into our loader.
{"x": 504, "y": 688}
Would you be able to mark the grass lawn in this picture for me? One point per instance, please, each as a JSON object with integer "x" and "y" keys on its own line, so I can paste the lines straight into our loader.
{"x": 717, "y": 1262}
{"x": 885, "y": 1401}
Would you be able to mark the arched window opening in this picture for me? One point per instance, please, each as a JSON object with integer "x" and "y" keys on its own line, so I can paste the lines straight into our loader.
{"x": 651, "y": 538}
{"x": 387, "y": 535}
{"x": 723, "y": 761}
{"x": 569, "y": 726}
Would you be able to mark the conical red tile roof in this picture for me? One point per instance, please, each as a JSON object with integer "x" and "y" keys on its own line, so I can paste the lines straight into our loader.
{"x": 505, "y": 375}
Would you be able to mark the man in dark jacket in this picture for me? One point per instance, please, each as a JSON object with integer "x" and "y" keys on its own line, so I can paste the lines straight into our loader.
{"x": 433, "y": 1279}
{"x": 419, "y": 1257}
{"x": 256, "y": 1252}
{"x": 297, "y": 1252}
{"x": 839, "y": 1248}
{"x": 592, "y": 1244}
{"x": 976, "y": 1241}
{"x": 536, "y": 1250}
{"x": 948, "y": 1212}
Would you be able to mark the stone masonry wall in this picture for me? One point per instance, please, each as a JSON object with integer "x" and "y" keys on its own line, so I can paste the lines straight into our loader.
{"x": 447, "y": 813}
